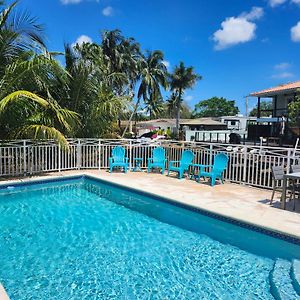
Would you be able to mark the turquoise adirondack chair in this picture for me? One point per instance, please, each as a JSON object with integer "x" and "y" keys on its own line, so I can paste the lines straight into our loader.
{"x": 217, "y": 169}
{"x": 118, "y": 159}
{"x": 182, "y": 165}
{"x": 158, "y": 160}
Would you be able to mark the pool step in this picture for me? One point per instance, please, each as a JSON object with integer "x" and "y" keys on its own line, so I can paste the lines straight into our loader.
{"x": 295, "y": 274}
{"x": 281, "y": 282}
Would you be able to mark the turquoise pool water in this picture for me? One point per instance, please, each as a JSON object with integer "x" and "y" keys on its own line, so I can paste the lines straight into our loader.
{"x": 82, "y": 239}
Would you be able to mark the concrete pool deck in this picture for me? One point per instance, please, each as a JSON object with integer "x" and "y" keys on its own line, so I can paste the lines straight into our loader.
{"x": 244, "y": 203}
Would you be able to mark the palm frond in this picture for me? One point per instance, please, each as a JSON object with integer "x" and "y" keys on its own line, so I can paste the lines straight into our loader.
{"x": 41, "y": 132}
{"x": 19, "y": 95}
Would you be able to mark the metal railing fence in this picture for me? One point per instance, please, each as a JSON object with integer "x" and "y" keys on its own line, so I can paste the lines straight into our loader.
{"x": 249, "y": 165}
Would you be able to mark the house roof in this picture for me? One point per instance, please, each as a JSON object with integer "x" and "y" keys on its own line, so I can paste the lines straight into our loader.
{"x": 280, "y": 89}
{"x": 236, "y": 117}
{"x": 157, "y": 122}
{"x": 202, "y": 121}
{"x": 172, "y": 122}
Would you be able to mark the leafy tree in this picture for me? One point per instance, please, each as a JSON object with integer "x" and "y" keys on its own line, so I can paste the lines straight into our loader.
{"x": 215, "y": 107}
{"x": 265, "y": 109}
{"x": 181, "y": 79}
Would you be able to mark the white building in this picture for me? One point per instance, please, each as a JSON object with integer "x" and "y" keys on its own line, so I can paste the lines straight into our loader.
{"x": 238, "y": 122}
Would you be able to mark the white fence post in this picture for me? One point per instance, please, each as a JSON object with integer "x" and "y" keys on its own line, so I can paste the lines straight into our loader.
{"x": 79, "y": 154}
{"x": 210, "y": 154}
{"x": 99, "y": 153}
{"x": 130, "y": 154}
{"x": 24, "y": 157}
{"x": 245, "y": 164}
{"x": 59, "y": 158}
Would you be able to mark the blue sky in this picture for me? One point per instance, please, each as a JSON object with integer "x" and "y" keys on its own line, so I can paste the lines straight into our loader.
{"x": 237, "y": 46}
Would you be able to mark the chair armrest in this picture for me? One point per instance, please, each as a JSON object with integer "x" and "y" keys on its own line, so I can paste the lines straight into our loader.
{"x": 172, "y": 162}
{"x": 126, "y": 159}
{"x": 204, "y": 166}
{"x": 111, "y": 159}
{"x": 150, "y": 159}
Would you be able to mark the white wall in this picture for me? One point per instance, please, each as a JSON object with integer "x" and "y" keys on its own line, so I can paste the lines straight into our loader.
{"x": 216, "y": 135}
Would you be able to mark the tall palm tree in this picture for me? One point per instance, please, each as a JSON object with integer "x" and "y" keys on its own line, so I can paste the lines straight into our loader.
{"x": 152, "y": 76}
{"x": 181, "y": 79}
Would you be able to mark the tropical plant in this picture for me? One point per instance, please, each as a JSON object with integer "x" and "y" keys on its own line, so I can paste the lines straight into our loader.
{"x": 215, "y": 107}
{"x": 294, "y": 112}
{"x": 152, "y": 76}
{"x": 27, "y": 72}
{"x": 94, "y": 89}
{"x": 181, "y": 79}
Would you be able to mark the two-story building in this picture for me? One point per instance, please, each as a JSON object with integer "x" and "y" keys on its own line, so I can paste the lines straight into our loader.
{"x": 281, "y": 96}
{"x": 277, "y": 125}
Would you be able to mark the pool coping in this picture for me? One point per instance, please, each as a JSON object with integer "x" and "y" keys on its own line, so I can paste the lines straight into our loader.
{"x": 270, "y": 231}
{"x": 3, "y": 294}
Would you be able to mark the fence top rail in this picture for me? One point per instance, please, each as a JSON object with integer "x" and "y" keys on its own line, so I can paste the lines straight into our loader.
{"x": 266, "y": 150}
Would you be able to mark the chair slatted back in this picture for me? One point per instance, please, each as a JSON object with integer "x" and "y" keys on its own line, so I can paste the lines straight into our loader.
{"x": 278, "y": 172}
{"x": 295, "y": 168}
{"x": 159, "y": 154}
{"x": 186, "y": 158}
{"x": 220, "y": 162}
{"x": 118, "y": 154}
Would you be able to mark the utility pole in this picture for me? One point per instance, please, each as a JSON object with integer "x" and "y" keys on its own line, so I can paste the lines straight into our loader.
{"x": 247, "y": 106}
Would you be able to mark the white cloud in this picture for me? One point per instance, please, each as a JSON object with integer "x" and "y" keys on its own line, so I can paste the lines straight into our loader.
{"x": 82, "y": 39}
{"x": 236, "y": 30}
{"x": 166, "y": 63}
{"x": 255, "y": 14}
{"x": 108, "y": 11}
{"x": 295, "y": 33}
{"x": 66, "y": 2}
{"x": 283, "y": 75}
{"x": 70, "y": 1}
{"x": 282, "y": 66}
{"x": 274, "y": 3}
{"x": 188, "y": 98}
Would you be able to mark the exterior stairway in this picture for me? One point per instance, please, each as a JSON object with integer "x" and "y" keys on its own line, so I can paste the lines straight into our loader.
{"x": 285, "y": 280}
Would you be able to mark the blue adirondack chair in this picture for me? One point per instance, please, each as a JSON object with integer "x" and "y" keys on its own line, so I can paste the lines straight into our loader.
{"x": 118, "y": 159}
{"x": 182, "y": 165}
{"x": 158, "y": 160}
{"x": 217, "y": 169}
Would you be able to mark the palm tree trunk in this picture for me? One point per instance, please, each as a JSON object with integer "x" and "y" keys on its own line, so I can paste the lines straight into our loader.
{"x": 178, "y": 113}
{"x": 131, "y": 117}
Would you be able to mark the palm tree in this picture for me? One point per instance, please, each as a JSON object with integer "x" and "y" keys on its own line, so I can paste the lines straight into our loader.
{"x": 19, "y": 32}
{"x": 181, "y": 79}
{"x": 154, "y": 106}
{"x": 152, "y": 76}
{"x": 93, "y": 89}
{"x": 27, "y": 72}
{"x": 27, "y": 114}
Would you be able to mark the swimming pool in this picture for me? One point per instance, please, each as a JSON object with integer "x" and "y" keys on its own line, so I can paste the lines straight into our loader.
{"x": 82, "y": 238}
